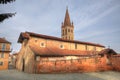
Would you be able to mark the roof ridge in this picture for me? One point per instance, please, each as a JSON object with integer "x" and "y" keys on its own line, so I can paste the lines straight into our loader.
{"x": 59, "y": 39}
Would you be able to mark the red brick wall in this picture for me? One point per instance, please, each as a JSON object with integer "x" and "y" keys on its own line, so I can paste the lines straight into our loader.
{"x": 88, "y": 64}
{"x": 115, "y": 61}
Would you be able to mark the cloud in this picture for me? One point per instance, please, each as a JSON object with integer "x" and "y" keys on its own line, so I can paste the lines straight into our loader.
{"x": 96, "y": 12}
{"x": 45, "y": 17}
{"x": 97, "y": 33}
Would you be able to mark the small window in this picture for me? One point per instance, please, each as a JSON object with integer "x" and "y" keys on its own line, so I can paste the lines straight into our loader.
{"x": 37, "y": 58}
{"x": 86, "y": 47}
{"x": 36, "y": 40}
{"x": 61, "y": 46}
{"x": 75, "y": 46}
{"x": 1, "y": 63}
{"x": 3, "y": 46}
{"x": 42, "y": 44}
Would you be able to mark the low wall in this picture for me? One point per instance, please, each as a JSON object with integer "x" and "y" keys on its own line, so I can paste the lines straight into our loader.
{"x": 115, "y": 61}
{"x": 84, "y": 64}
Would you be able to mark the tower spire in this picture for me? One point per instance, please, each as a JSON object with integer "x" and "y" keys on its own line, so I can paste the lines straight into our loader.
{"x": 67, "y": 28}
{"x": 67, "y": 19}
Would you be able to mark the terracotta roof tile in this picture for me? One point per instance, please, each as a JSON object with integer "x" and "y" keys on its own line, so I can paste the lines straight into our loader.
{"x": 2, "y": 40}
{"x": 52, "y": 51}
{"x": 27, "y": 34}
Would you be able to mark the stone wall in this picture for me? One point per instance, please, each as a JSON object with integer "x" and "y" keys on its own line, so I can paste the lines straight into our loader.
{"x": 82, "y": 64}
{"x": 20, "y": 58}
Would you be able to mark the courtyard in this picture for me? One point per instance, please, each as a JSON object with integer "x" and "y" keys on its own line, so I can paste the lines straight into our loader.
{"x": 13, "y": 74}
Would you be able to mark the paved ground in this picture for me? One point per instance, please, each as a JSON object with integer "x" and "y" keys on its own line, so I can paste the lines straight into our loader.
{"x": 16, "y": 75}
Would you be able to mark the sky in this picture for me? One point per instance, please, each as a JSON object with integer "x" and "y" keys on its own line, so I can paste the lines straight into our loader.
{"x": 96, "y": 21}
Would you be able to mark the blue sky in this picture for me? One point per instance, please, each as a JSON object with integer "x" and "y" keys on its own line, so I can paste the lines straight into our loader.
{"x": 95, "y": 21}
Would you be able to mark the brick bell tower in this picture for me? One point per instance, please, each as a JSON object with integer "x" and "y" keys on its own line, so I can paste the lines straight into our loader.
{"x": 67, "y": 28}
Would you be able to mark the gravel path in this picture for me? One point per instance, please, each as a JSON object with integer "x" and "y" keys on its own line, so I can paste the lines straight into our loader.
{"x": 16, "y": 75}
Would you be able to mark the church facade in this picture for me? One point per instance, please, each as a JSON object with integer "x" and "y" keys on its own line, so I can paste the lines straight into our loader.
{"x": 45, "y": 54}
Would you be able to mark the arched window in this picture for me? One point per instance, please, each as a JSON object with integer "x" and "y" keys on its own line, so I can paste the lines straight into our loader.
{"x": 68, "y": 30}
{"x": 62, "y": 32}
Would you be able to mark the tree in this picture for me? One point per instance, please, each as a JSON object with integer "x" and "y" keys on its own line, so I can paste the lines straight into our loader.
{"x": 4, "y": 16}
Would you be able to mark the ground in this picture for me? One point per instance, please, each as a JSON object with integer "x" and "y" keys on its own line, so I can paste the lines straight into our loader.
{"x": 13, "y": 74}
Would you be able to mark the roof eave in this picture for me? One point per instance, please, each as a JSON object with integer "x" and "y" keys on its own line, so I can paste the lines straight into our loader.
{"x": 22, "y": 37}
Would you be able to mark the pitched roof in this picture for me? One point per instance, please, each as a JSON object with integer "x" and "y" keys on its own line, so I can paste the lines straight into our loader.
{"x": 3, "y": 40}
{"x": 26, "y": 35}
{"x": 107, "y": 51}
{"x": 52, "y": 51}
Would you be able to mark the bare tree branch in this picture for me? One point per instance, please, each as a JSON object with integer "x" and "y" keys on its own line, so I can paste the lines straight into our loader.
{"x": 5, "y": 16}
{"x": 6, "y": 1}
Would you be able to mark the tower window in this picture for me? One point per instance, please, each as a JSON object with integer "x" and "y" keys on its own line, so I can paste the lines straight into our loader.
{"x": 62, "y": 32}
{"x": 71, "y": 30}
{"x": 68, "y": 30}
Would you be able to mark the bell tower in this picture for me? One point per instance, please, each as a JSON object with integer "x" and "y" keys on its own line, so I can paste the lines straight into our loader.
{"x": 67, "y": 28}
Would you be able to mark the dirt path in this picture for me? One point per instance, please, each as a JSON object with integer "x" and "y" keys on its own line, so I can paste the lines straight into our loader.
{"x": 16, "y": 75}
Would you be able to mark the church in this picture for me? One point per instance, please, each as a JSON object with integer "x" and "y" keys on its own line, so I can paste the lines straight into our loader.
{"x": 41, "y": 53}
